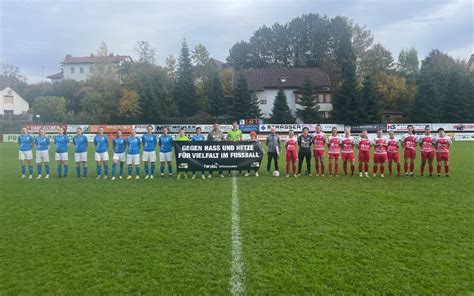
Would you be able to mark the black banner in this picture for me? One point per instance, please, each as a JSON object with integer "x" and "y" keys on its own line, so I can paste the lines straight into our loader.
{"x": 216, "y": 156}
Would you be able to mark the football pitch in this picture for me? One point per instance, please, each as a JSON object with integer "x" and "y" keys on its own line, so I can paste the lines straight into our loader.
{"x": 242, "y": 235}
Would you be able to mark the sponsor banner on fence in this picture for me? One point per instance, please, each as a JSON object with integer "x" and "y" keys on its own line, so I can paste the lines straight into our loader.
{"x": 265, "y": 128}
{"x": 247, "y": 128}
{"x": 324, "y": 127}
{"x": 403, "y": 127}
{"x": 371, "y": 128}
{"x": 141, "y": 128}
{"x": 215, "y": 156}
{"x": 13, "y": 138}
{"x": 48, "y": 128}
{"x": 190, "y": 128}
{"x": 464, "y": 137}
{"x": 454, "y": 127}
{"x": 110, "y": 128}
{"x": 72, "y": 128}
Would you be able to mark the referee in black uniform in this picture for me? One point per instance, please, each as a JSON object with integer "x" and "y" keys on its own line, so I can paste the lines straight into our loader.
{"x": 304, "y": 142}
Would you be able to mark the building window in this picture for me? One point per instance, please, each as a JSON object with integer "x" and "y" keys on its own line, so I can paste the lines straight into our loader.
{"x": 91, "y": 69}
{"x": 8, "y": 112}
{"x": 320, "y": 98}
{"x": 72, "y": 70}
{"x": 263, "y": 102}
{"x": 8, "y": 99}
{"x": 81, "y": 69}
{"x": 328, "y": 98}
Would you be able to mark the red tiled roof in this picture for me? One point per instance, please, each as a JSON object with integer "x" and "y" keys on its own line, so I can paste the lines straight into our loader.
{"x": 56, "y": 76}
{"x": 259, "y": 79}
{"x": 95, "y": 59}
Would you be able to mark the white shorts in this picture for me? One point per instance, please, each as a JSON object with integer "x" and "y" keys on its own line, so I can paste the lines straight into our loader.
{"x": 42, "y": 156}
{"x": 80, "y": 156}
{"x": 104, "y": 156}
{"x": 25, "y": 155}
{"x": 165, "y": 156}
{"x": 61, "y": 156}
{"x": 149, "y": 156}
{"x": 119, "y": 156}
{"x": 133, "y": 159}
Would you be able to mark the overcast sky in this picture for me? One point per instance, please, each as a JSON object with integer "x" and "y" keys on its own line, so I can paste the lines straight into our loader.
{"x": 36, "y": 34}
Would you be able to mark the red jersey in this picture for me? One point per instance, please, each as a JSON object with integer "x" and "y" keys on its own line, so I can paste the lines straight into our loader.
{"x": 291, "y": 144}
{"x": 426, "y": 143}
{"x": 409, "y": 141}
{"x": 334, "y": 145}
{"x": 364, "y": 144}
{"x": 347, "y": 145}
{"x": 442, "y": 144}
{"x": 380, "y": 145}
{"x": 392, "y": 146}
{"x": 319, "y": 139}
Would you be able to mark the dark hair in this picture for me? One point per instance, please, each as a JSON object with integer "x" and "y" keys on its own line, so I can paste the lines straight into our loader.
{"x": 410, "y": 125}
{"x": 149, "y": 126}
{"x": 79, "y": 128}
{"x": 364, "y": 130}
{"x": 440, "y": 129}
{"x": 305, "y": 128}
{"x": 427, "y": 127}
{"x": 198, "y": 128}
{"x": 379, "y": 130}
{"x": 235, "y": 121}
{"x": 318, "y": 125}
{"x": 291, "y": 130}
{"x": 181, "y": 129}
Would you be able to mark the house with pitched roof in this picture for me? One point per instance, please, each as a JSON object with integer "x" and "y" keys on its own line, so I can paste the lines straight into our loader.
{"x": 11, "y": 103}
{"x": 80, "y": 68}
{"x": 266, "y": 82}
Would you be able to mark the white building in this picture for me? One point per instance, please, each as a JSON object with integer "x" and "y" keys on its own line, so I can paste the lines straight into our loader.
{"x": 266, "y": 82}
{"x": 80, "y": 68}
{"x": 11, "y": 103}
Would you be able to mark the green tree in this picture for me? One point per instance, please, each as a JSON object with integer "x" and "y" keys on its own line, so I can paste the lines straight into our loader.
{"x": 375, "y": 61}
{"x": 371, "y": 112}
{"x": 146, "y": 53}
{"x": 217, "y": 106}
{"x": 184, "y": 91}
{"x": 408, "y": 65}
{"x": 240, "y": 55}
{"x": 93, "y": 106}
{"x": 281, "y": 111}
{"x": 50, "y": 108}
{"x": 202, "y": 73}
{"x": 309, "y": 111}
{"x": 242, "y": 104}
{"x": 129, "y": 106}
{"x": 254, "y": 111}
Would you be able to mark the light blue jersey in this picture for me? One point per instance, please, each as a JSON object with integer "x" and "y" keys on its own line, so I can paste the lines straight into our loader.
{"x": 101, "y": 143}
{"x": 166, "y": 143}
{"x": 42, "y": 143}
{"x": 198, "y": 138}
{"x": 80, "y": 142}
{"x": 119, "y": 145}
{"x": 133, "y": 145}
{"x": 149, "y": 142}
{"x": 61, "y": 142}
{"x": 25, "y": 142}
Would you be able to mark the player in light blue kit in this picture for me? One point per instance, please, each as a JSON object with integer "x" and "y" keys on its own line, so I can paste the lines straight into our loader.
{"x": 101, "y": 143}
{"x": 25, "y": 146}
{"x": 61, "y": 141}
{"x": 80, "y": 152}
{"x": 119, "y": 145}
{"x": 196, "y": 138}
{"x": 166, "y": 145}
{"x": 42, "y": 153}
{"x": 133, "y": 154}
{"x": 149, "y": 141}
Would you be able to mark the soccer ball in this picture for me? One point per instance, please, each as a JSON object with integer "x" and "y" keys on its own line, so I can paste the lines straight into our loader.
{"x": 276, "y": 173}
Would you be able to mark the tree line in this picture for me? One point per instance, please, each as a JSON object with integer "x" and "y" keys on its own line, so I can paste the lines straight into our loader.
{"x": 196, "y": 88}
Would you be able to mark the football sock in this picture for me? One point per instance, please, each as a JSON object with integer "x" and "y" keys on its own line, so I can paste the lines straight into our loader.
{"x": 129, "y": 169}
{"x": 47, "y": 169}
{"x": 39, "y": 168}
{"x": 147, "y": 168}
{"x": 30, "y": 169}
{"x": 106, "y": 169}
{"x": 23, "y": 169}
{"x": 78, "y": 170}
{"x": 59, "y": 168}
{"x": 66, "y": 167}
{"x": 121, "y": 168}
{"x": 152, "y": 168}
{"x": 114, "y": 169}
{"x": 84, "y": 171}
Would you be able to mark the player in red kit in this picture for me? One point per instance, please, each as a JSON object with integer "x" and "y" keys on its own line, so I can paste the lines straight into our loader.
{"x": 409, "y": 153}
{"x": 392, "y": 152}
{"x": 334, "y": 151}
{"x": 291, "y": 156}
{"x": 319, "y": 140}
{"x": 363, "y": 146}
{"x": 380, "y": 153}
{"x": 442, "y": 144}
{"x": 427, "y": 150}
{"x": 347, "y": 144}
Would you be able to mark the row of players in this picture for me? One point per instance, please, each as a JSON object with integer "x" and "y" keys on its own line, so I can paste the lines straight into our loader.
{"x": 385, "y": 150}
{"x": 128, "y": 149}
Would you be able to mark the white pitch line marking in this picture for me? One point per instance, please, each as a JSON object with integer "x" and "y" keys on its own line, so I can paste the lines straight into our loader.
{"x": 237, "y": 280}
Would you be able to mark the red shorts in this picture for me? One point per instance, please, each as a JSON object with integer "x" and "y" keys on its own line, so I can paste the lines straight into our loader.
{"x": 427, "y": 155}
{"x": 348, "y": 157}
{"x": 318, "y": 153}
{"x": 442, "y": 156}
{"x": 291, "y": 156}
{"x": 364, "y": 156}
{"x": 409, "y": 153}
{"x": 393, "y": 157}
{"x": 380, "y": 158}
{"x": 334, "y": 155}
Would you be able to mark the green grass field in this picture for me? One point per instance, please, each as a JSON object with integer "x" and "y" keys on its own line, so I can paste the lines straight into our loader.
{"x": 309, "y": 235}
